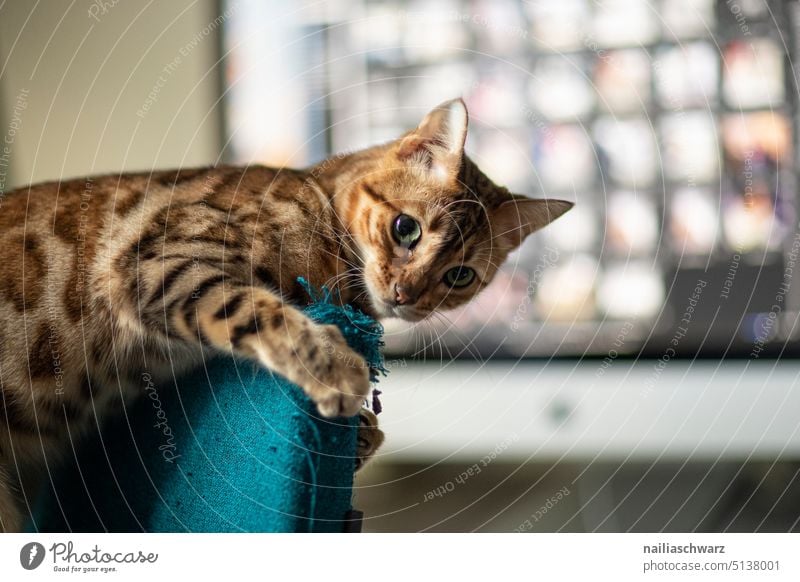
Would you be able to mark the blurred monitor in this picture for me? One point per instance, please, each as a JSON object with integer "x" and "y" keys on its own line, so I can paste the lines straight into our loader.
{"x": 672, "y": 125}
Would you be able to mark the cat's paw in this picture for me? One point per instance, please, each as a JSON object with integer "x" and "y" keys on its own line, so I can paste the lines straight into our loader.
{"x": 339, "y": 381}
{"x": 370, "y": 437}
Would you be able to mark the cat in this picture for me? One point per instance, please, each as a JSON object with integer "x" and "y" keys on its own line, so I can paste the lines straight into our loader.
{"x": 104, "y": 278}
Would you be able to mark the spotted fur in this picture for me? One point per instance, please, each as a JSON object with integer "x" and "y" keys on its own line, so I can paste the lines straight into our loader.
{"x": 107, "y": 279}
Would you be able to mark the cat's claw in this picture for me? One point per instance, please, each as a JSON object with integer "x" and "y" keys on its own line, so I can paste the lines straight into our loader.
{"x": 336, "y": 403}
{"x": 370, "y": 437}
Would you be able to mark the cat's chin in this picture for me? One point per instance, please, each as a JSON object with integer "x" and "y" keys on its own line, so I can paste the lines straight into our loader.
{"x": 409, "y": 315}
{"x": 384, "y": 310}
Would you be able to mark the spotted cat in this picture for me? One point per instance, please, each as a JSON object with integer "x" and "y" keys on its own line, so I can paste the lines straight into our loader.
{"x": 104, "y": 278}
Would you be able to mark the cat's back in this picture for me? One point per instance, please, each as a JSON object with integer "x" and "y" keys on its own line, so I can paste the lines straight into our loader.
{"x": 60, "y": 238}
{"x": 91, "y": 201}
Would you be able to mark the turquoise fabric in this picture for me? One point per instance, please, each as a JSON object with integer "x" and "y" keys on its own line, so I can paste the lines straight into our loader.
{"x": 231, "y": 448}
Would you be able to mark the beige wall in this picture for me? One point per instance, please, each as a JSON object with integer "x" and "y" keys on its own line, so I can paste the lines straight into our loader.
{"x": 105, "y": 87}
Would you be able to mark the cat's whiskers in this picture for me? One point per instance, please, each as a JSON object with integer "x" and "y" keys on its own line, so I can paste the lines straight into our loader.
{"x": 338, "y": 256}
{"x": 345, "y": 237}
{"x": 337, "y": 281}
{"x": 340, "y": 242}
{"x": 358, "y": 297}
{"x": 341, "y": 239}
{"x": 436, "y": 338}
{"x": 423, "y": 331}
{"x": 417, "y": 332}
{"x": 343, "y": 276}
{"x": 466, "y": 342}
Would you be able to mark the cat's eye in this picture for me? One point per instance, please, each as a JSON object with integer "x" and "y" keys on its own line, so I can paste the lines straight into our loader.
{"x": 459, "y": 277}
{"x": 406, "y": 231}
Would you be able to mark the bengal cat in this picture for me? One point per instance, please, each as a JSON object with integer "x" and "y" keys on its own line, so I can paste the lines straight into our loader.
{"x": 106, "y": 278}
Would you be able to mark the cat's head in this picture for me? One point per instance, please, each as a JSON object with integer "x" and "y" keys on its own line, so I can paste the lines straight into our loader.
{"x": 431, "y": 228}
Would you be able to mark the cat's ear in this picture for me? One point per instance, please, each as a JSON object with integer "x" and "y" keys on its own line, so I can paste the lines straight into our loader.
{"x": 438, "y": 142}
{"x": 515, "y": 219}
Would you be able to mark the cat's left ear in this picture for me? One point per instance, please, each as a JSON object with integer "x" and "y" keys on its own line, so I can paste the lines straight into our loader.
{"x": 438, "y": 142}
{"x": 515, "y": 219}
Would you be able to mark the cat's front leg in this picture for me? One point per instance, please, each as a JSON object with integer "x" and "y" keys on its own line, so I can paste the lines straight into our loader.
{"x": 254, "y": 322}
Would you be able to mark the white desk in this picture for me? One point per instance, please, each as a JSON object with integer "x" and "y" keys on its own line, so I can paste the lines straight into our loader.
{"x": 707, "y": 410}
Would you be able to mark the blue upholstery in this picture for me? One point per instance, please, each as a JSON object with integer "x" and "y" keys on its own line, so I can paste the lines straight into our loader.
{"x": 231, "y": 448}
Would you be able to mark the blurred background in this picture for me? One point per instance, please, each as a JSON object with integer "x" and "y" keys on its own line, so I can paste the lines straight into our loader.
{"x": 632, "y": 367}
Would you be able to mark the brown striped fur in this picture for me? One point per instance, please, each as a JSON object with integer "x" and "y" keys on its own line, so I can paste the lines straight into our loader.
{"x": 105, "y": 279}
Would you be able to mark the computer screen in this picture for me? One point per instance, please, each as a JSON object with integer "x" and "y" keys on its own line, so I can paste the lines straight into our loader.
{"x": 671, "y": 124}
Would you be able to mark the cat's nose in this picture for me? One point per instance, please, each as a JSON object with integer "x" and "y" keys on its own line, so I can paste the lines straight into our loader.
{"x": 402, "y": 295}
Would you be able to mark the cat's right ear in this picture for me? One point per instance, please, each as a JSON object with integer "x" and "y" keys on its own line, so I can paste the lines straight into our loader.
{"x": 437, "y": 144}
{"x": 520, "y": 216}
